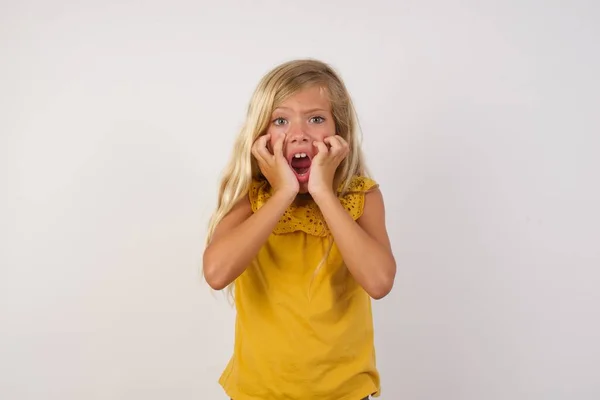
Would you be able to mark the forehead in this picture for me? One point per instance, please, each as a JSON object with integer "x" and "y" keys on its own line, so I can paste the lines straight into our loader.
{"x": 312, "y": 97}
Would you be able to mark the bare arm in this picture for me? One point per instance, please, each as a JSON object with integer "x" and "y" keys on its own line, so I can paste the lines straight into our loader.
{"x": 241, "y": 233}
{"x": 364, "y": 244}
{"x": 239, "y": 237}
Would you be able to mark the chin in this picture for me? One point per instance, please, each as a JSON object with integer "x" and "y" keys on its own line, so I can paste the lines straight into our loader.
{"x": 303, "y": 189}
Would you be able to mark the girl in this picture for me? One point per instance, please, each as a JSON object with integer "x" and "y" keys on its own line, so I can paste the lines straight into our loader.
{"x": 301, "y": 231}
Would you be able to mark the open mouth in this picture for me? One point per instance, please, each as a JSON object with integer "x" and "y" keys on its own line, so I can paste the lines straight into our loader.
{"x": 300, "y": 163}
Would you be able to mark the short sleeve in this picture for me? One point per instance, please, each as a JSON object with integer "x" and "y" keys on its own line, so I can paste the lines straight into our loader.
{"x": 258, "y": 194}
{"x": 354, "y": 199}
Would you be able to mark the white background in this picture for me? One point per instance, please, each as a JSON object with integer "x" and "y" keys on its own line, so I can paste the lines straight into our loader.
{"x": 480, "y": 123}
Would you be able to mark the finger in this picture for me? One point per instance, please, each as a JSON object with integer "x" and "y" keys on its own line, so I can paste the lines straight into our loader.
{"x": 342, "y": 141}
{"x": 336, "y": 145}
{"x": 261, "y": 141}
{"x": 255, "y": 146}
{"x": 254, "y": 152}
{"x": 323, "y": 151}
{"x": 339, "y": 147}
{"x": 332, "y": 141}
{"x": 259, "y": 149}
{"x": 278, "y": 147}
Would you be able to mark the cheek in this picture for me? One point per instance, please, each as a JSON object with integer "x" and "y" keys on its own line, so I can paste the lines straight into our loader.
{"x": 271, "y": 144}
{"x": 320, "y": 132}
{"x": 273, "y": 133}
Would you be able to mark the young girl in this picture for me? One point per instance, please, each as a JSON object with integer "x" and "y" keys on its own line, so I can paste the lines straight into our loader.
{"x": 301, "y": 231}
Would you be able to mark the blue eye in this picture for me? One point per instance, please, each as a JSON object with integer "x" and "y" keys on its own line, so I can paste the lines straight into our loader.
{"x": 279, "y": 121}
{"x": 317, "y": 120}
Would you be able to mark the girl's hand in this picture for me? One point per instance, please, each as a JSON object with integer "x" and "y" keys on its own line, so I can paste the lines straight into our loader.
{"x": 325, "y": 163}
{"x": 274, "y": 166}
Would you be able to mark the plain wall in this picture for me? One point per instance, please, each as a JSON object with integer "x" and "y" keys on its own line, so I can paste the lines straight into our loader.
{"x": 480, "y": 124}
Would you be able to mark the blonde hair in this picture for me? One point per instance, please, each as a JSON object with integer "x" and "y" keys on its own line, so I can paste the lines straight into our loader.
{"x": 275, "y": 87}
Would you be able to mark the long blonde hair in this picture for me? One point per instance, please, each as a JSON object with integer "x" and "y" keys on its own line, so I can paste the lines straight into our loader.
{"x": 275, "y": 87}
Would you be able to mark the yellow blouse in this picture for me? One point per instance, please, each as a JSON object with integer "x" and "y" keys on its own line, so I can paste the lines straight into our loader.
{"x": 303, "y": 327}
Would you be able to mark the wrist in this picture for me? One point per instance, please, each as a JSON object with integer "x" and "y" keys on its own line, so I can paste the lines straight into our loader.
{"x": 286, "y": 195}
{"x": 324, "y": 197}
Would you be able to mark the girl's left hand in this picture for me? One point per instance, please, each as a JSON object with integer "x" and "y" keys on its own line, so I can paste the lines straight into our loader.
{"x": 325, "y": 163}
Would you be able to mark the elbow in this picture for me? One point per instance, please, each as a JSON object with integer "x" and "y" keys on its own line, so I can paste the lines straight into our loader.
{"x": 383, "y": 286}
{"x": 215, "y": 283}
{"x": 214, "y": 280}
{"x": 380, "y": 291}
{"x": 213, "y": 273}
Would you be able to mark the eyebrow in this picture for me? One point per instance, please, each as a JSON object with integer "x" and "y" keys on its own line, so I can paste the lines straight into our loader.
{"x": 312, "y": 110}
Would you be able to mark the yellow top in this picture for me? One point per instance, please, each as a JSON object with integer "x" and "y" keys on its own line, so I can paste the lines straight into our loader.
{"x": 302, "y": 331}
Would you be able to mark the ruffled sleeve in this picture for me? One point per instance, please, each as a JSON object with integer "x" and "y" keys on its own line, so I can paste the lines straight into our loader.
{"x": 307, "y": 217}
{"x": 354, "y": 199}
{"x": 259, "y": 193}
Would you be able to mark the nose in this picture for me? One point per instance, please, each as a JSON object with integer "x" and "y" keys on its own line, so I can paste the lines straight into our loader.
{"x": 297, "y": 135}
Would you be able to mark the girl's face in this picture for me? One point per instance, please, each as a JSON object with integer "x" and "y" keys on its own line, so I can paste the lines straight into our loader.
{"x": 304, "y": 117}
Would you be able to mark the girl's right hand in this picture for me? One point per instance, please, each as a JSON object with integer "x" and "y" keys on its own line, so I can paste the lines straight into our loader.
{"x": 274, "y": 166}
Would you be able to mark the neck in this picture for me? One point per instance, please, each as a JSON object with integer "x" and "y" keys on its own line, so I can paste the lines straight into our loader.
{"x": 303, "y": 199}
